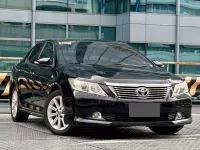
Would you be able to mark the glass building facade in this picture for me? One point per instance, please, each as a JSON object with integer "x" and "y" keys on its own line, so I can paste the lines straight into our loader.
{"x": 95, "y": 20}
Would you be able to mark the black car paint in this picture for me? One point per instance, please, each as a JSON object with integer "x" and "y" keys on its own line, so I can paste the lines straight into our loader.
{"x": 35, "y": 83}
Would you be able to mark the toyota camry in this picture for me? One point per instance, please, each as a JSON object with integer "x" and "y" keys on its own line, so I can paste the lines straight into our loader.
{"x": 97, "y": 83}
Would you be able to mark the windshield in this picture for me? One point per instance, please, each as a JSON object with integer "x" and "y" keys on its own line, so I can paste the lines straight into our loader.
{"x": 102, "y": 53}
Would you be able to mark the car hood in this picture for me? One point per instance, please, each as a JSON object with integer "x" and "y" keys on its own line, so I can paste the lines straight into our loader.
{"x": 120, "y": 74}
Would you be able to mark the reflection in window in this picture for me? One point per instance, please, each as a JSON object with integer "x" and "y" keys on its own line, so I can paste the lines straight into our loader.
{"x": 108, "y": 6}
{"x": 15, "y": 30}
{"x": 190, "y": 7}
{"x": 16, "y": 4}
{"x": 161, "y": 52}
{"x": 138, "y": 5}
{"x": 84, "y": 6}
{"x": 47, "y": 31}
{"x": 189, "y": 54}
{"x": 123, "y": 6}
{"x": 138, "y": 46}
{"x": 83, "y": 32}
{"x": 12, "y": 49}
{"x": 51, "y": 5}
{"x": 108, "y": 33}
{"x": 161, "y": 6}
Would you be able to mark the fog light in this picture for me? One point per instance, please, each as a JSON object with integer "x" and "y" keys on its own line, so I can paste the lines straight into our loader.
{"x": 179, "y": 116}
{"x": 97, "y": 115}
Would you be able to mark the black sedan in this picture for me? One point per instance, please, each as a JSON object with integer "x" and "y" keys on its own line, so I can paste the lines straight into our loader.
{"x": 97, "y": 83}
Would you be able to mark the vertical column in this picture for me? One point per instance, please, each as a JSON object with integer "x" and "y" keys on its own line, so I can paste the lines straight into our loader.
{"x": 177, "y": 35}
{"x": 67, "y": 30}
{"x": 33, "y": 23}
{"x": 99, "y": 32}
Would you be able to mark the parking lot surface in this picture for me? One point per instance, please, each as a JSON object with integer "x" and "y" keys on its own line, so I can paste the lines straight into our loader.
{"x": 34, "y": 135}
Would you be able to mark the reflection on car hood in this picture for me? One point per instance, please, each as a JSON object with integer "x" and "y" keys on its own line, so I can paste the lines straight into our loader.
{"x": 117, "y": 73}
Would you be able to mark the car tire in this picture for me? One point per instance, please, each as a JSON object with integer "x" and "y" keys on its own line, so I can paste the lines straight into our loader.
{"x": 54, "y": 113}
{"x": 166, "y": 130}
{"x": 16, "y": 114}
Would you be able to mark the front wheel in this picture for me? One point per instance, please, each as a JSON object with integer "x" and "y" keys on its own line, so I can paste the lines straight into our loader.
{"x": 54, "y": 114}
{"x": 166, "y": 130}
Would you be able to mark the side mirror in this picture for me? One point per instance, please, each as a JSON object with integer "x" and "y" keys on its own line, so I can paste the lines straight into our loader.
{"x": 43, "y": 62}
{"x": 159, "y": 64}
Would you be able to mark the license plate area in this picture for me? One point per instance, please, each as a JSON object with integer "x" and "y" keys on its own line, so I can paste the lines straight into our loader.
{"x": 144, "y": 110}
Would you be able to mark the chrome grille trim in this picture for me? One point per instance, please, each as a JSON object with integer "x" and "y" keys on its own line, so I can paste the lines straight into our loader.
{"x": 129, "y": 93}
{"x": 128, "y": 85}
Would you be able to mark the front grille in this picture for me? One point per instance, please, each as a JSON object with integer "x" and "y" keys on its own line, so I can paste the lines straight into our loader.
{"x": 130, "y": 93}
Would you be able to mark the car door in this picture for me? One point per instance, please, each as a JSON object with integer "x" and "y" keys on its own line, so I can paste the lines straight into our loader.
{"x": 23, "y": 70}
{"x": 42, "y": 77}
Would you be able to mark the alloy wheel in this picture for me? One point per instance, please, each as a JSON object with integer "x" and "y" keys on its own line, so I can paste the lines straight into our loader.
{"x": 14, "y": 103}
{"x": 55, "y": 113}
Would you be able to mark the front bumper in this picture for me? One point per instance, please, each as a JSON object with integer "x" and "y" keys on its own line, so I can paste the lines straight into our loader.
{"x": 116, "y": 112}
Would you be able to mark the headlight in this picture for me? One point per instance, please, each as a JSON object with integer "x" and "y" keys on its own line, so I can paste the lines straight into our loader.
{"x": 88, "y": 87}
{"x": 180, "y": 89}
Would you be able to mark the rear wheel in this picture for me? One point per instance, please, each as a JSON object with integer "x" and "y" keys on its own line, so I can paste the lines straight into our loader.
{"x": 166, "y": 130}
{"x": 54, "y": 114}
{"x": 16, "y": 114}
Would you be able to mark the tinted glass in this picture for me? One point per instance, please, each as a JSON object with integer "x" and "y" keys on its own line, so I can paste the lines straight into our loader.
{"x": 15, "y": 30}
{"x": 84, "y": 6}
{"x": 123, "y": 6}
{"x": 35, "y": 52}
{"x": 189, "y": 54}
{"x": 51, "y": 5}
{"x": 108, "y": 6}
{"x": 138, "y": 5}
{"x": 47, "y": 31}
{"x": 139, "y": 46}
{"x": 162, "y": 7}
{"x": 47, "y": 51}
{"x": 83, "y": 32}
{"x": 16, "y": 4}
{"x": 190, "y": 7}
{"x": 108, "y": 33}
{"x": 103, "y": 54}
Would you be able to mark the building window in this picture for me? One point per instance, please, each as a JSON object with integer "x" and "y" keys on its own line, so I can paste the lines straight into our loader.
{"x": 84, "y": 6}
{"x": 163, "y": 53}
{"x": 12, "y": 49}
{"x": 108, "y": 33}
{"x": 189, "y": 54}
{"x": 161, "y": 7}
{"x": 138, "y": 46}
{"x": 138, "y": 5}
{"x": 46, "y": 31}
{"x": 190, "y": 7}
{"x": 83, "y": 32}
{"x": 15, "y": 30}
{"x": 123, "y": 6}
{"x": 108, "y": 6}
{"x": 16, "y": 4}
{"x": 51, "y": 5}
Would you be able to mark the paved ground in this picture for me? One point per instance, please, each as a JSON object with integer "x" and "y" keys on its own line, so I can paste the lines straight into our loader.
{"x": 34, "y": 135}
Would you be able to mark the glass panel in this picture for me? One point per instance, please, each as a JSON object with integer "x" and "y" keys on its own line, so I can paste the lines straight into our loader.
{"x": 15, "y": 30}
{"x": 108, "y": 33}
{"x": 163, "y": 53}
{"x": 83, "y": 32}
{"x": 108, "y": 7}
{"x": 161, "y": 6}
{"x": 51, "y": 5}
{"x": 46, "y": 31}
{"x": 189, "y": 54}
{"x": 190, "y": 7}
{"x": 84, "y": 6}
{"x": 139, "y": 46}
{"x": 138, "y": 5}
{"x": 123, "y": 6}
{"x": 16, "y": 4}
{"x": 12, "y": 49}
{"x": 35, "y": 52}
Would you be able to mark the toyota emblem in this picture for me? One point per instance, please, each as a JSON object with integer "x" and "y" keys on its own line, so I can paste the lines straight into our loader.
{"x": 142, "y": 92}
